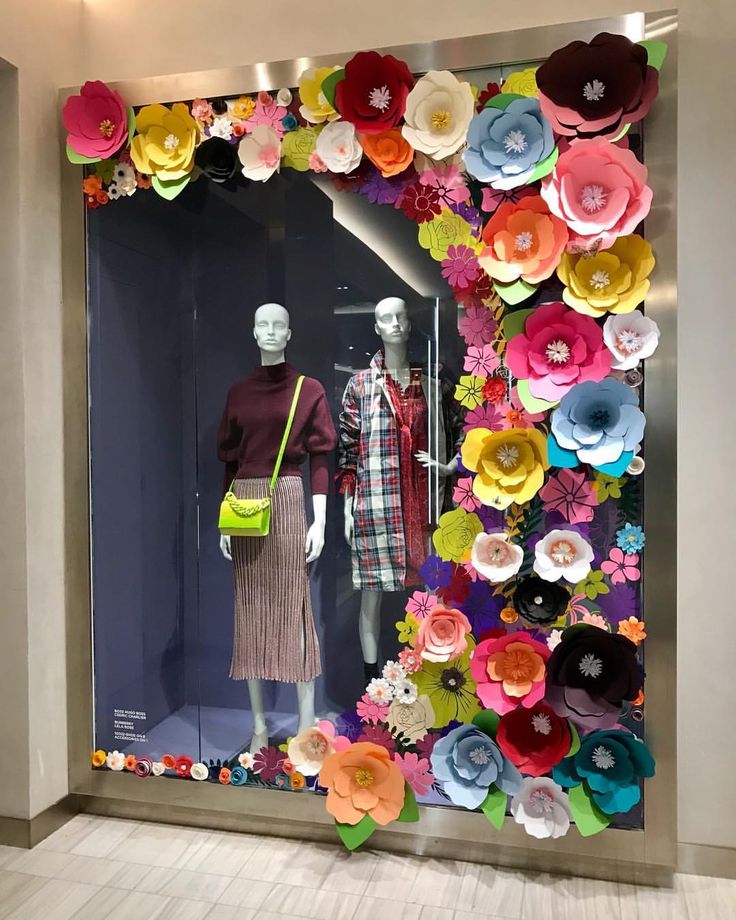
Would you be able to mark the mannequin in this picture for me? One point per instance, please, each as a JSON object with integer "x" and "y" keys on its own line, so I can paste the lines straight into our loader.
{"x": 272, "y": 332}
{"x": 370, "y": 406}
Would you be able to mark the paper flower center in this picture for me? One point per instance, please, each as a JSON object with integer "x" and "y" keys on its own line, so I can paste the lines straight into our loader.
{"x": 453, "y": 680}
{"x": 524, "y": 241}
{"x": 106, "y": 127}
{"x": 558, "y": 352}
{"x": 441, "y": 120}
{"x": 563, "y": 553}
{"x": 363, "y": 778}
{"x": 519, "y": 665}
{"x": 538, "y": 599}
{"x": 541, "y": 723}
{"x": 603, "y": 758}
{"x": 379, "y": 98}
{"x": 594, "y": 90}
{"x": 515, "y": 142}
{"x": 497, "y": 553}
{"x": 542, "y": 802}
{"x": 171, "y": 142}
{"x": 628, "y": 341}
{"x": 479, "y": 756}
{"x": 590, "y": 666}
{"x": 599, "y": 280}
{"x": 269, "y": 155}
{"x": 507, "y": 455}
{"x": 315, "y": 746}
{"x": 592, "y": 198}
{"x": 599, "y": 418}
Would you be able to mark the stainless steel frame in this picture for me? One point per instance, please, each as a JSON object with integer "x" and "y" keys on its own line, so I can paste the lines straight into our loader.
{"x": 648, "y": 855}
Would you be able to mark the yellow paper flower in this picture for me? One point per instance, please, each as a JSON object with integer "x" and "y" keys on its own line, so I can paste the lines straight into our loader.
{"x": 408, "y": 629}
{"x": 469, "y": 391}
{"x": 447, "y": 229}
{"x": 98, "y": 758}
{"x": 450, "y": 688}
{"x": 509, "y": 464}
{"x": 297, "y": 146}
{"x": 241, "y": 109}
{"x": 456, "y": 533}
{"x": 523, "y": 82}
{"x": 606, "y": 486}
{"x": 164, "y": 143}
{"x": 315, "y": 108}
{"x": 614, "y": 280}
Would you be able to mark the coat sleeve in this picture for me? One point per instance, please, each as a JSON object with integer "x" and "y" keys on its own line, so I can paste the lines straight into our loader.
{"x": 350, "y": 426}
{"x": 229, "y": 440}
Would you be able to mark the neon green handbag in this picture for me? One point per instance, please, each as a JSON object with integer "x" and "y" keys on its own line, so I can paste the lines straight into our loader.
{"x": 251, "y": 517}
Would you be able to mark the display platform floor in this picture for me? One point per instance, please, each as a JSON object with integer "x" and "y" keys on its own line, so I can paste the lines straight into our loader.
{"x": 105, "y": 867}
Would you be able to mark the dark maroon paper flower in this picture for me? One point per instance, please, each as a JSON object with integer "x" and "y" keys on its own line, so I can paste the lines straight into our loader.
{"x": 268, "y": 763}
{"x": 420, "y": 203}
{"x": 373, "y": 93}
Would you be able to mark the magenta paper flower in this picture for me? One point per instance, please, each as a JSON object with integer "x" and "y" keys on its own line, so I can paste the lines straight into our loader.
{"x": 509, "y": 671}
{"x": 378, "y": 735}
{"x": 477, "y": 326}
{"x": 267, "y": 112}
{"x": 571, "y": 495}
{"x": 96, "y": 121}
{"x": 420, "y": 604}
{"x": 600, "y": 190}
{"x": 415, "y": 771}
{"x": 488, "y": 415}
{"x": 450, "y": 183}
{"x": 481, "y": 360}
{"x": 463, "y": 495}
{"x": 370, "y": 711}
{"x": 557, "y": 349}
{"x": 460, "y": 267}
{"x": 621, "y": 567}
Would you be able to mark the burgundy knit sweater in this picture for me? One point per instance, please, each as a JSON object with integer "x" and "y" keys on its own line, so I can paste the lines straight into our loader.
{"x": 252, "y": 425}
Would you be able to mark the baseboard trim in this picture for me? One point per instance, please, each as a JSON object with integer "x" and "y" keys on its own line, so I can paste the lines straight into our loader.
{"x": 700, "y": 859}
{"x": 27, "y": 832}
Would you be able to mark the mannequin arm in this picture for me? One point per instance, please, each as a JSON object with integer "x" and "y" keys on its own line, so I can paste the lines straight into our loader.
{"x": 225, "y": 547}
{"x": 316, "y": 533}
{"x": 348, "y": 517}
{"x": 428, "y": 462}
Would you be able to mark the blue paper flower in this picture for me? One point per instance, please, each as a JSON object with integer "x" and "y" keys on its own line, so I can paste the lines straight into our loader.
{"x": 238, "y": 776}
{"x": 468, "y": 762}
{"x": 599, "y": 423}
{"x": 506, "y": 146}
{"x": 609, "y": 764}
{"x": 289, "y": 122}
{"x": 631, "y": 539}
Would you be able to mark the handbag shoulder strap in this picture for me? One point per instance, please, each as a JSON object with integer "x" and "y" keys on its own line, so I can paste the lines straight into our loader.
{"x": 287, "y": 432}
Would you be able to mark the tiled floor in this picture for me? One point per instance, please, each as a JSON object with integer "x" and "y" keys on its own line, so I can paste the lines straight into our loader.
{"x": 124, "y": 870}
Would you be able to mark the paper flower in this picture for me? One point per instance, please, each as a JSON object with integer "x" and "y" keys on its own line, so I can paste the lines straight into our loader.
{"x": 307, "y": 750}
{"x": 460, "y": 267}
{"x": 388, "y": 151}
{"x": 477, "y": 326}
{"x": 597, "y": 423}
{"x": 240, "y": 109}
{"x": 630, "y": 538}
{"x": 268, "y": 763}
{"x": 481, "y": 360}
{"x": 557, "y": 349}
{"x": 597, "y": 87}
{"x": 540, "y": 602}
{"x": 412, "y": 720}
{"x": 495, "y": 557}
{"x": 157, "y": 768}
{"x": 509, "y": 464}
{"x": 542, "y": 807}
{"x": 455, "y": 534}
{"x": 600, "y": 190}
{"x": 450, "y": 182}
{"x": 571, "y": 494}
{"x": 238, "y": 776}
{"x": 621, "y": 567}
{"x": 468, "y": 762}
{"x": 163, "y": 147}
{"x": 534, "y": 739}
{"x": 590, "y": 674}
{"x": 632, "y": 629}
{"x": 338, "y": 147}
{"x": 563, "y": 554}
{"x": 415, "y": 771}
{"x": 269, "y": 113}
{"x": 462, "y": 494}
{"x": 630, "y": 338}
{"x": 507, "y": 147}
{"x": 448, "y": 229}
{"x": 410, "y": 660}
{"x": 380, "y": 690}
{"x": 437, "y": 115}
{"x": 523, "y": 82}
{"x": 360, "y": 781}
{"x": 218, "y": 159}
{"x": 96, "y": 121}
{"x": 199, "y": 771}
{"x": 523, "y": 240}
{"x": 450, "y": 688}
{"x": 245, "y": 759}
{"x": 370, "y": 711}
{"x": 408, "y": 627}
{"x": 609, "y": 765}
{"x": 420, "y": 203}
{"x": 260, "y": 153}
{"x": 509, "y": 671}
{"x": 202, "y": 111}
{"x": 614, "y": 280}
{"x": 115, "y": 761}
{"x": 315, "y": 107}
{"x": 373, "y": 92}
{"x": 183, "y": 765}
{"x": 442, "y": 635}
{"x": 405, "y": 691}
{"x": 469, "y": 391}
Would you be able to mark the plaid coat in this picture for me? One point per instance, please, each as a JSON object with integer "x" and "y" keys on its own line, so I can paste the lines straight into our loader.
{"x": 368, "y": 466}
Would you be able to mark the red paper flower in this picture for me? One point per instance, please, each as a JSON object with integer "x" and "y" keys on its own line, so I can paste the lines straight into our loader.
{"x": 184, "y": 765}
{"x": 494, "y": 389}
{"x": 534, "y": 739}
{"x": 477, "y": 293}
{"x": 420, "y": 203}
{"x": 373, "y": 93}
{"x": 491, "y": 90}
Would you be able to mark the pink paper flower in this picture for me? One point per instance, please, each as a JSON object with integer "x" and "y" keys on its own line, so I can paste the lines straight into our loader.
{"x": 415, "y": 771}
{"x": 420, "y": 604}
{"x": 571, "y": 495}
{"x": 442, "y": 635}
{"x": 600, "y": 190}
{"x": 515, "y": 415}
{"x": 96, "y": 121}
{"x": 202, "y": 111}
{"x": 481, "y": 360}
{"x": 621, "y": 567}
{"x": 449, "y": 181}
{"x": 460, "y": 267}
{"x": 595, "y": 619}
{"x": 463, "y": 495}
{"x": 267, "y": 112}
{"x": 557, "y": 349}
{"x": 489, "y": 415}
{"x": 509, "y": 671}
{"x": 410, "y": 660}
{"x": 493, "y": 198}
{"x": 316, "y": 163}
{"x": 370, "y": 711}
{"x": 477, "y": 326}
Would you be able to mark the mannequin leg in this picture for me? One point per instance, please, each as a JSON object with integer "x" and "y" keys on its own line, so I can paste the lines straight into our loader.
{"x": 305, "y": 700}
{"x": 370, "y": 628}
{"x": 260, "y": 729}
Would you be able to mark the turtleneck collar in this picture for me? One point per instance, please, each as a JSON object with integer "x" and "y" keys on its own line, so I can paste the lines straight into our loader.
{"x": 274, "y": 371}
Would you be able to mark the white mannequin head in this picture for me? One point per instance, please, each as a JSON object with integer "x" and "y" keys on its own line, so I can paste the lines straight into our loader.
{"x": 392, "y": 321}
{"x": 272, "y": 332}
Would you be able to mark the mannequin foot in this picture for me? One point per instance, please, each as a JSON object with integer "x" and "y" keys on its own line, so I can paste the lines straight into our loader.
{"x": 259, "y": 740}
{"x": 370, "y": 670}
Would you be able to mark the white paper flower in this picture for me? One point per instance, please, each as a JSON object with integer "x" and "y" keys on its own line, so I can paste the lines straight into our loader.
{"x": 114, "y": 192}
{"x": 380, "y": 690}
{"x": 245, "y": 760}
{"x": 563, "y": 554}
{"x": 115, "y": 760}
{"x": 338, "y": 147}
{"x": 199, "y": 771}
{"x": 494, "y": 557}
{"x": 554, "y": 639}
{"x": 393, "y": 672}
{"x": 221, "y": 127}
{"x": 124, "y": 179}
{"x": 260, "y": 153}
{"x": 542, "y": 808}
{"x": 438, "y": 112}
{"x": 630, "y": 337}
{"x": 405, "y": 691}
{"x": 284, "y": 97}
{"x": 308, "y": 749}
{"x": 157, "y": 768}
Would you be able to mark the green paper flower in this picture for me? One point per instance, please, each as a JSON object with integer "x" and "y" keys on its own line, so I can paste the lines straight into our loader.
{"x": 408, "y": 629}
{"x": 606, "y": 486}
{"x": 592, "y": 586}
{"x": 450, "y": 688}
{"x": 456, "y": 534}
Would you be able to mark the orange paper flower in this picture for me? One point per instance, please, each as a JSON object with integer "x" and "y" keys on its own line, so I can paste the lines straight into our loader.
{"x": 98, "y": 758}
{"x": 224, "y": 776}
{"x": 633, "y": 629}
{"x": 517, "y": 667}
{"x": 363, "y": 780}
{"x": 92, "y": 185}
{"x": 297, "y": 780}
{"x": 389, "y": 151}
{"x": 130, "y": 762}
{"x": 169, "y": 761}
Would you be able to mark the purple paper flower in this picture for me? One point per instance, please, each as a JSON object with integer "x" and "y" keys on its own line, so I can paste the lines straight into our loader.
{"x": 621, "y": 602}
{"x": 349, "y": 724}
{"x": 435, "y": 573}
{"x": 469, "y": 213}
{"x": 381, "y": 190}
{"x": 482, "y": 607}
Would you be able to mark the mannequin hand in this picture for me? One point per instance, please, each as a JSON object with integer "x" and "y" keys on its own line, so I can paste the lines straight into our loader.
{"x": 349, "y": 524}
{"x": 225, "y": 547}
{"x": 315, "y": 541}
{"x": 428, "y": 462}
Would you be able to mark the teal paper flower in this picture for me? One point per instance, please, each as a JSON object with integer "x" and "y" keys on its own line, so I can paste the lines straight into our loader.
{"x": 631, "y": 539}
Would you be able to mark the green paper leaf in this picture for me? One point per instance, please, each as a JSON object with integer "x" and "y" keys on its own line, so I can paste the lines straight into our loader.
{"x": 515, "y": 292}
{"x": 352, "y": 835}
{"x": 169, "y": 190}
{"x": 78, "y": 159}
{"x": 656, "y": 52}
{"x": 487, "y": 721}
{"x": 494, "y": 807}
{"x": 589, "y": 819}
{"x": 131, "y": 123}
{"x": 529, "y": 401}
{"x": 329, "y": 85}
{"x": 501, "y": 100}
{"x": 544, "y": 167}
{"x": 410, "y": 811}
{"x": 622, "y": 133}
{"x": 513, "y": 323}
{"x": 105, "y": 169}
{"x": 575, "y": 741}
